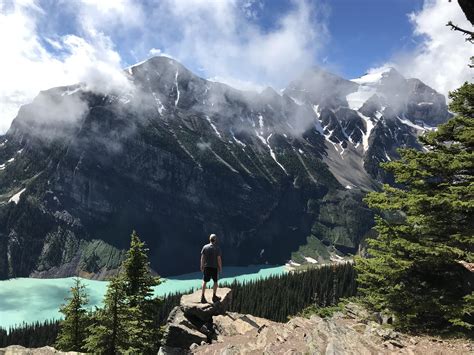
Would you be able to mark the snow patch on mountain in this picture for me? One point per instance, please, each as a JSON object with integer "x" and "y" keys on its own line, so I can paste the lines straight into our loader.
{"x": 16, "y": 197}
{"x": 159, "y": 104}
{"x": 213, "y": 126}
{"x": 317, "y": 122}
{"x": 328, "y": 135}
{"x": 368, "y": 84}
{"x": 177, "y": 87}
{"x": 272, "y": 153}
{"x": 373, "y": 76}
{"x": 300, "y": 158}
{"x": 219, "y": 158}
{"x": 416, "y": 126}
{"x": 357, "y": 99}
{"x": 296, "y": 101}
{"x": 130, "y": 68}
{"x": 237, "y": 140}
{"x": 260, "y": 123}
{"x": 369, "y": 125}
{"x": 342, "y": 150}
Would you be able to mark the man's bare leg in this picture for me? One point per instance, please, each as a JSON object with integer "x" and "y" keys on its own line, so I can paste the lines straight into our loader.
{"x": 215, "y": 298}
{"x": 203, "y": 290}
{"x": 214, "y": 288}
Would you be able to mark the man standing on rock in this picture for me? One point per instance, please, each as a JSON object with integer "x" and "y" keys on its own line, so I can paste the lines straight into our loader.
{"x": 211, "y": 266}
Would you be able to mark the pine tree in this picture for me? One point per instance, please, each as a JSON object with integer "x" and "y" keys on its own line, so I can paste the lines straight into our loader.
{"x": 140, "y": 281}
{"x": 417, "y": 268}
{"x": 139, "y": 289}
{"x": 111, "y": 325}
{"x": 129, "y": 321}
{"x": 73, "y": 328}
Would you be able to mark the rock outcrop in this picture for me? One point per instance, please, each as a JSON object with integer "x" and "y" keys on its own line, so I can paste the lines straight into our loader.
{"x": 192, "y": 321}
{"x": 20, "y": 350}
{"x": 348, "y": 332}
{"x": 298, "y": 336}
{"x": 210, "y": 329}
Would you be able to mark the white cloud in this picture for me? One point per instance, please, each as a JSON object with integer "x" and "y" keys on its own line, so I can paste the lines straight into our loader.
{"x": 441, "y": 60}
{"x": 217, "y": 38}
{"x": 223, "y": 40}
{"x": 237, "y": 83}
{"x": 155, "y": 52}
{"x": 28, "y": 67}
{"x": 108, "y": 15}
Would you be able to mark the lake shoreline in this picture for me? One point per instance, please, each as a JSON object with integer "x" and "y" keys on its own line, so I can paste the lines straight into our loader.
{"x": 29, "y": 300}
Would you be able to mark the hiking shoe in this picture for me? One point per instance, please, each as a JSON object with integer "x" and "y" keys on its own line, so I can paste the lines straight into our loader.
{"x": 215, "y": 298}
{"x": 203, "y": 299}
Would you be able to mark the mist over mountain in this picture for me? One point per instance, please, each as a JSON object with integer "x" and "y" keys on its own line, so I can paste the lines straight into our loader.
{"x": 178, "y": 157}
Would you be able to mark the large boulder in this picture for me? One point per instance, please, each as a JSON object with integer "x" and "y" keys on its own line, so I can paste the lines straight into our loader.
{"x": 182, "y": 333}
{"x": 192, "y": 321}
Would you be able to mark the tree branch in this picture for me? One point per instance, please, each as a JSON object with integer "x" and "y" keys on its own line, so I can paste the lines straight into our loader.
{"x": 468, "y": 34}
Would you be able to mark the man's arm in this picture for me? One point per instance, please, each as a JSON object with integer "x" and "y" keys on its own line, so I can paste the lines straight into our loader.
{"x": 219, "y": 263}
{"x": 202, "y": 262}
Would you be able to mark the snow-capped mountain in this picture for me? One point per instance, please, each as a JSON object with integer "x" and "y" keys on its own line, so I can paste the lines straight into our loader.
{"x": 366, "y": 119}
{"x": 179, "y": 157}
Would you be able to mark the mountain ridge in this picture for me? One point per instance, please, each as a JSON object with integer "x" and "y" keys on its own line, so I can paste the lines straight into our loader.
{"x": 181, "y": 157}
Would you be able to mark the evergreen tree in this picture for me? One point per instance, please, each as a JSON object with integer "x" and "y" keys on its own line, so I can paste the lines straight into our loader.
{"x": 281, "y": 296}
{"x": 419, "y": 261}
{"x": 139, "y": 289}
{"x": 111, "y": 325}
{"x": 73, "y": 328}
{"x": 136, "y": 267}
{"x": 129, "y": 321}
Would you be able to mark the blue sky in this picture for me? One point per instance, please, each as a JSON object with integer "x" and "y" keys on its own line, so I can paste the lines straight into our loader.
{"x": 366, "y": 33}
{"x": 249, "y": 44}
{"x": 363, "y": 33}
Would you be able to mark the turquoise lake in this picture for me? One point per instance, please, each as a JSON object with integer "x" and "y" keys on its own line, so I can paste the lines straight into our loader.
{"x": 30, "y": 300}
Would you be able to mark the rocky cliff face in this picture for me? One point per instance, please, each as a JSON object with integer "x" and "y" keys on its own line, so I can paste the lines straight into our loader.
{"x": 179, "y": 157}
{"x": 192, "y": 322}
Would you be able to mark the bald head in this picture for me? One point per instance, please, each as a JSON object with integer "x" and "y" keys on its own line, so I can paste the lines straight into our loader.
{"x": 213, "y": 238}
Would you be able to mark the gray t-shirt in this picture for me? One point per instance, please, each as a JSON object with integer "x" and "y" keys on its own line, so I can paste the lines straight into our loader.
{"x": 211, "y": 252}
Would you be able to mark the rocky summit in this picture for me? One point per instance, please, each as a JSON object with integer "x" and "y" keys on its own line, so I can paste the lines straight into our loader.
{"x": 177, "y": 157}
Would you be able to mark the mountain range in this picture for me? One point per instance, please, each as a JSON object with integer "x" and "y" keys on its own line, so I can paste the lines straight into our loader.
{"x": 276, "y": 175}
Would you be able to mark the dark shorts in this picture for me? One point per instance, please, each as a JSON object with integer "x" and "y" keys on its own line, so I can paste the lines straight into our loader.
{"x": 210, "y": 273}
